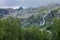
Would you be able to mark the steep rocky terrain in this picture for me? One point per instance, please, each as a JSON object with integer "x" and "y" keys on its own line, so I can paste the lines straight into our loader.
{"x": 33, "y": 16}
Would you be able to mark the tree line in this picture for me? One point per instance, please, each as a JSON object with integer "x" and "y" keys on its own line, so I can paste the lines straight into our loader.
{"x": 11, "y": 29}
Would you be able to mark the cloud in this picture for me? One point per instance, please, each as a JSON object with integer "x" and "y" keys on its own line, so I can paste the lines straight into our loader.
{"x": 9, "y": 3}
{"x": 26, "y": 3}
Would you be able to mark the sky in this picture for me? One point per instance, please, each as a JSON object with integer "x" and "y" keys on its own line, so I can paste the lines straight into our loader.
{"x": 25, "y": 3}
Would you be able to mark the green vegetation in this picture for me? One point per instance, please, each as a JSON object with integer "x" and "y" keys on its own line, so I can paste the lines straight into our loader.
{"x": 11, "y": 29}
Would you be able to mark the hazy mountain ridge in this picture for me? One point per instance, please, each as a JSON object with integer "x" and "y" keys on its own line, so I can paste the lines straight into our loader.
{"x": 33, "y": 16}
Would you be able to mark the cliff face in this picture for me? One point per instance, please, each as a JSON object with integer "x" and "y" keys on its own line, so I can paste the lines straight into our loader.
{"x": 42, "y": 17}
{"x": 3, "y": 12}
{"x": 33, "y": 16}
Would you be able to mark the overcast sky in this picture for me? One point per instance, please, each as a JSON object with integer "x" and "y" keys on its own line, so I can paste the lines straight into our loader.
{"x": 26, "y": 3}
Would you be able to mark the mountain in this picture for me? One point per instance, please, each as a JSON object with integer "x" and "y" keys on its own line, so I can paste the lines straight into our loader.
{"x": 3, "y": 12}
{"x": 20, "y": 8}
{"x": 33, "y": 16}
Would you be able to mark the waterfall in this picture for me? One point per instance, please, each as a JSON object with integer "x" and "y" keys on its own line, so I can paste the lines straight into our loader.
{"x": 42, "y": 22}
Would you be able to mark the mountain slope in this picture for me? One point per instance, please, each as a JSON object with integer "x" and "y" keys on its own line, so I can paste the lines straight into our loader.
{"x": 33, "y": 16}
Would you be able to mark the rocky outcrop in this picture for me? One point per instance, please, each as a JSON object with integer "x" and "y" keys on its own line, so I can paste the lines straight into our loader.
{"x": 33, "y": 16}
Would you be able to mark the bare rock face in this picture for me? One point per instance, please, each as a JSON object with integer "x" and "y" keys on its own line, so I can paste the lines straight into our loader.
{"x": 33, "y": 16}
{"x": 20, "y": 8}
{"x": 3, "y": 12}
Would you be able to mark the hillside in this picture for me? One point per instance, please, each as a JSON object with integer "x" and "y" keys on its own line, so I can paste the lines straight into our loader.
{"x": 33, "y": 16}
{"x": 41, "y": 23}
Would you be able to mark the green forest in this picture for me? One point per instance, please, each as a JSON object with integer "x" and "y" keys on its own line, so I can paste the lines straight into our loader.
{"x": 11, "y": 29}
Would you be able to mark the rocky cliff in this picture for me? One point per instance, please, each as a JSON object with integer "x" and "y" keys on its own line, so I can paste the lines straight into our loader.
{"x": 33, "y": 16}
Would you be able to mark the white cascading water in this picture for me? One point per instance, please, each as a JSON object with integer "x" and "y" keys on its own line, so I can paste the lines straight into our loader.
{"x": 43, "y": 19}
